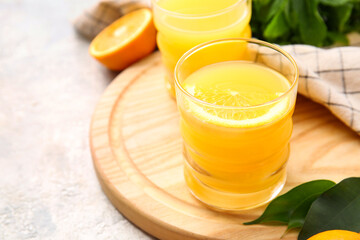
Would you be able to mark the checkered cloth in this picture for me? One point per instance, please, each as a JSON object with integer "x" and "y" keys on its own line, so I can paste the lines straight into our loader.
{"x": 330, "y": 77}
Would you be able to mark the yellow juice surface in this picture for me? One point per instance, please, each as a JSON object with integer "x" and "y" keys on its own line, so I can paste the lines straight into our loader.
{"x": 236, "y": 157}
{"x": 184, "y": 24}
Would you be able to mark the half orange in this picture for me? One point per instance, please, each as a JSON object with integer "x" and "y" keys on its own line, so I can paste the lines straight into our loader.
{"x": 125, "y": 41}
{"x": 336, "y": 235}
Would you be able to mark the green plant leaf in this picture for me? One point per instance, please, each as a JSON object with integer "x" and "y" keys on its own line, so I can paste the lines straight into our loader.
{"x": 261, "y": 3}
{"x": 297, "y": 217}
{"x": 335, "y": 3}
{"x": 337, "y": 208}
{"x": 343, "y": 14}
{"x": 338, "y": 37}
{"x": 291, "y": 15}
{"x": 276, "y": 8}
{"x": 336, "y": 17}
{"x": 261, "y": 10}
{"x": 280, "y": 209}
{"x": 307, "y": 21}
{"x": 277, "y": 27}
{"x": 354, "y": 21}
{"x": 312, "y": 27}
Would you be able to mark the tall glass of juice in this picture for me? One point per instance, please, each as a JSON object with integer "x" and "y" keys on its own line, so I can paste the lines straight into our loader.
{"x": 183, "y": 24}
{"x": 236, "y": 99}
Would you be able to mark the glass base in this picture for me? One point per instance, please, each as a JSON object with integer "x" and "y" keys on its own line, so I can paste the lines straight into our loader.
{"x": 232, "y": 202}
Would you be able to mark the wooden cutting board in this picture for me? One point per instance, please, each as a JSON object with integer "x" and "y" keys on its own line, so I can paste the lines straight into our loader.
{"x": 137, "y": 152}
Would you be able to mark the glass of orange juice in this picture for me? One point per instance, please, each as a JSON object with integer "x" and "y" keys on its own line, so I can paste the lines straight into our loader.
{"x": 183, "y": 24}
{"x": 236, "y": 99}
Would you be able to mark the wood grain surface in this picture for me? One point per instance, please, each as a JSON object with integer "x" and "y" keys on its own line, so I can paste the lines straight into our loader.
{"x": 137, "y": 153}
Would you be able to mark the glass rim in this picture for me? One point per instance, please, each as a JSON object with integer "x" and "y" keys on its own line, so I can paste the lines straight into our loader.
{"x": 197, "y": 15}
{"x": 251, "y": 40}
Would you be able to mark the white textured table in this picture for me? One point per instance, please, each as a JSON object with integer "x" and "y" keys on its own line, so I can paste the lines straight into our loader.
{"x": 49, "y": 87}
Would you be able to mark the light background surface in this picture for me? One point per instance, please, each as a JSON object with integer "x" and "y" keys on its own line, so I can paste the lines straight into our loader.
{"x": 49, "y": 86}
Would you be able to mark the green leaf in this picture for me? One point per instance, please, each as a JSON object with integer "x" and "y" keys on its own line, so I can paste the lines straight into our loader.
{"x": 354, "y": 21}
{"x": 280, "y": 209}
{"x": 277, "y": 27}
{"x": 307, "y": 21}
{"x": 276, "y": 8}
{"x": 297, "y": 217}
{"x": 335, "y": 3}
{"x": 338, "y": 37}
{"x": 261, "y": 10}
{"x": 337, "y": 208}
{"x": 261, "y": 3}
{"x": 336, "y": 17}
{"x": 291, "y": 15}
{"x": 313, "y": 29}
{"x": 343, "y": 14}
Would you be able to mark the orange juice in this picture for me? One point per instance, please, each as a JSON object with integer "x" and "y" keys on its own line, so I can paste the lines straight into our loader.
{"x": 183, "y": 24}
{"x": 236, "y": 156}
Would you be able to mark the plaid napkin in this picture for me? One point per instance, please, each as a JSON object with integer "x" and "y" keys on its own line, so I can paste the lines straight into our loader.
{"x": 330, "y": 77}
